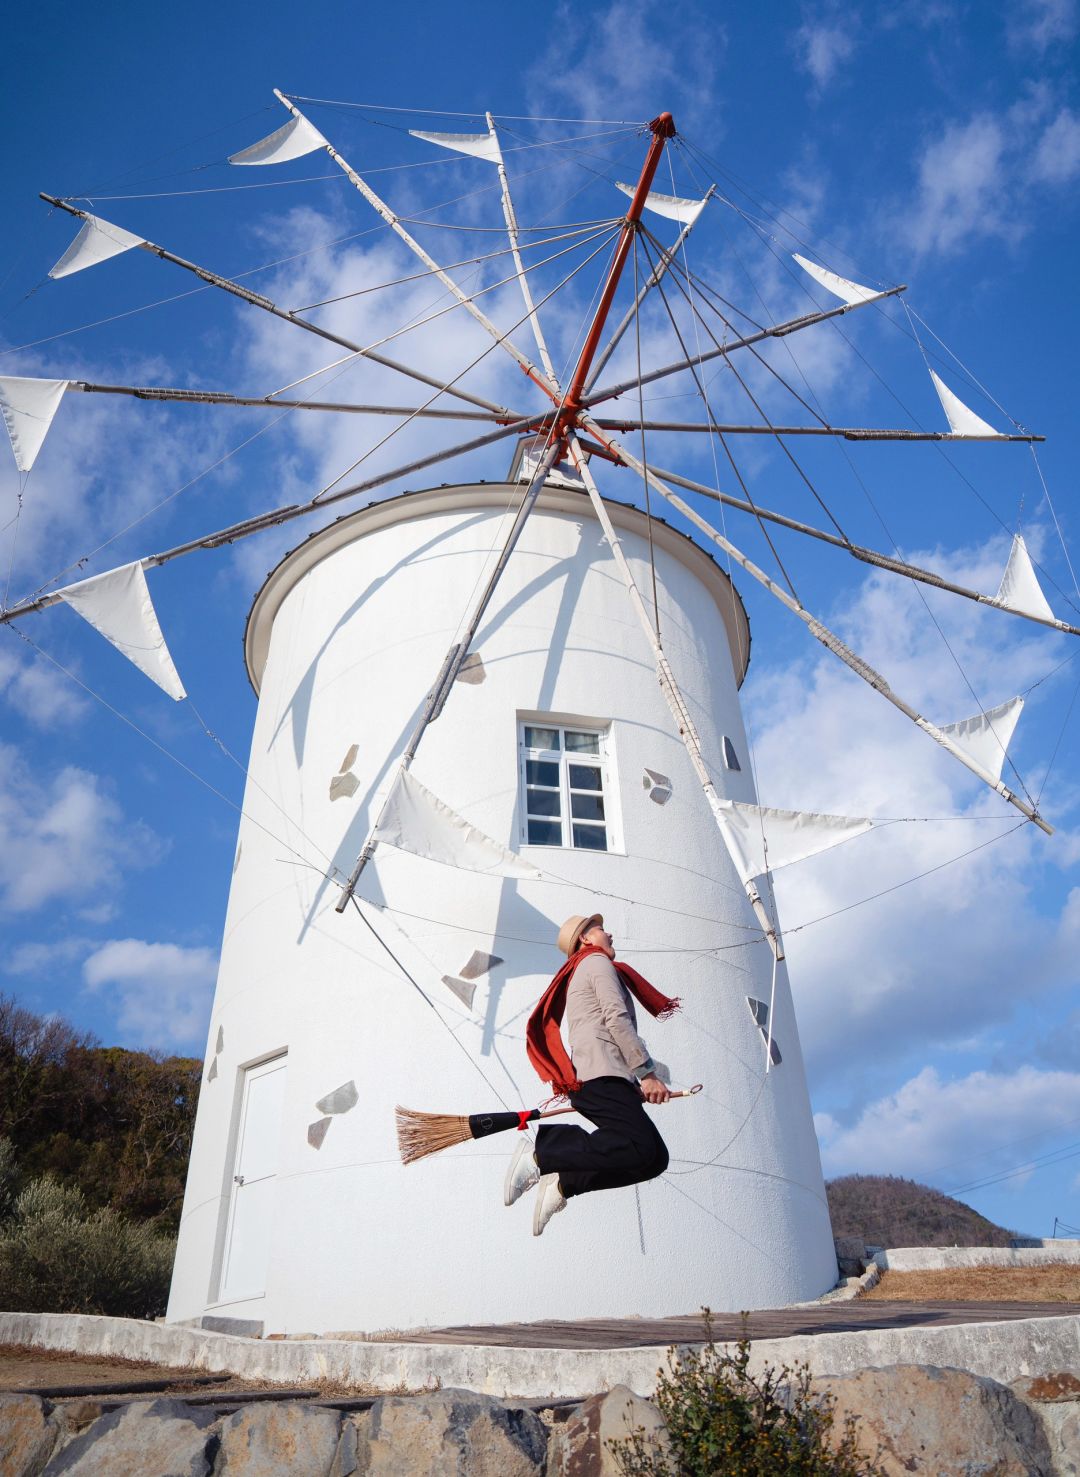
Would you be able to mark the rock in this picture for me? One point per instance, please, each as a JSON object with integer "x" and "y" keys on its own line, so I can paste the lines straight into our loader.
{"x": 163, "y": 1437}
{"x": 278, "y": 1440}
{"x": 454, "y": 1433}
{"x": 347, "y": 1457}
{"x": 850, "y": 1255}
{"x": 27, "y": 1436}
{"x": 581, "y": 1449}
{"x": 1056, "y": 1400}
{"x": 1047, "y": 1387}
{"x": 916, "y": 1418}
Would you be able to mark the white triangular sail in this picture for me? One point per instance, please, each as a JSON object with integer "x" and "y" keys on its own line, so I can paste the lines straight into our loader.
{"x": 292, "y": 141}
{"x": 986, "y": 736}
{"x": 848, "y": 292}
{"x": 28, "y": 407}
{"x": 962, "y": 421}
{"x": 118, "y": 605}
{"x": 1020, "y": 588}
{"x": 479, "y": 145}
{"x": 671, "y": 206}
{"x": 96, "y": 242}
{"x": 761, "y": 839}
{"x": 413, "y": 819}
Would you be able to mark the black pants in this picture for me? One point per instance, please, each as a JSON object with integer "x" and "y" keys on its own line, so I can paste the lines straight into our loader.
{"x": 625, "y": 1150}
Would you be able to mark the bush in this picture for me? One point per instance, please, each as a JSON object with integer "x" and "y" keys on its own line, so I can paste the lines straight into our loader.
{"x": 59, "y": 1256}
{"x": 722, "y": 1419}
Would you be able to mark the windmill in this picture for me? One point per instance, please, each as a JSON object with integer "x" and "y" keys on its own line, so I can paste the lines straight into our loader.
{"x": 480, "y": 706}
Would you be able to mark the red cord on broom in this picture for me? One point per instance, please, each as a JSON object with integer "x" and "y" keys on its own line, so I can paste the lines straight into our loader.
{"x": 421, "y": 1134}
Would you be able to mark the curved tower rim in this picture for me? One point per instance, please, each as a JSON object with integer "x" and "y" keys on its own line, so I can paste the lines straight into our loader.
{"x": 294, "y": 565}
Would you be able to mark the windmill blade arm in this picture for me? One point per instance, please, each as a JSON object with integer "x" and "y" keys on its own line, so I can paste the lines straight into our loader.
{"x": 820, "y": 631}
{"x": 857, "y": 551}
{"x": 277, "y": 516}
{"x": 394, "y": 222}
{"x": 848, "y": 433}
{"x": 510, "y": 217}
{"x": 439, "y": 691}
{"x": 779, "y": 330}
{"x": 271, "y": 402}
{"x": 256, "y": 300}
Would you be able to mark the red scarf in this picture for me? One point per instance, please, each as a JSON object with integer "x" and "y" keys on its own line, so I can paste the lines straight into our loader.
{"x": 543, "y": 1039}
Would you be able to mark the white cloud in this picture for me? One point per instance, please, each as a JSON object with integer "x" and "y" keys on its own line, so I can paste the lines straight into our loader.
{"x": 935, "y": 962}
{"x": 64, "y": 835}
{"x": 823, "y": 46}
{"x": 977, "y": 177}
{"x": 37, "y": 958}
{"x": 1057, "y": 156}
{"x": 952, "y": 1132}
{"x": 160, "y": 994}
{"x": 38, "y": 692}
{"x": 635, "y": 60}
{"x": 1042, "y": 23}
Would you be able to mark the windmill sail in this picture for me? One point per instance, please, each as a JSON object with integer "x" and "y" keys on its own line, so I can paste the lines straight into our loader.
{"x": 761, "y": 839}
{"x": 479, "y": 145}
{"x": 962, "y": 421}
{"x": 413, "y": 819}
{"x": 847, "y": 291}
{"x": 1020, "y": 588}
{"x": 671, "y": 206}
{"x": 297, "y": 138}
{"x": 986, "y": 736}
{"x": 118, "y": 605}
{"x": 28, "y": 407}
{"x": 97, "y": 241}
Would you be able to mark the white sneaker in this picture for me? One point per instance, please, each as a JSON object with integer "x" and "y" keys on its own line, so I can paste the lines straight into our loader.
{"x": 549, "y": 1201}
{"x": 522, "y": 1172}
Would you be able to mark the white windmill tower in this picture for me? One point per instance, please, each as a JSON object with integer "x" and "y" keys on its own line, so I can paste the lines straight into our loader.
{"x": 581, "y": 746}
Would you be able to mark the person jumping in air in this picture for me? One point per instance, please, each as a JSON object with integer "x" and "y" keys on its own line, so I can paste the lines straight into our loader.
{"x": 608, "y": 1077}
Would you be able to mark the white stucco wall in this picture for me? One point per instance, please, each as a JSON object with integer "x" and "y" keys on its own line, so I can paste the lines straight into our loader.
{"x": 344, "y": 641}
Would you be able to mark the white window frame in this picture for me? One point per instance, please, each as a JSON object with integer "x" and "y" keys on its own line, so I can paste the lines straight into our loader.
{"x": 604, "y": 761}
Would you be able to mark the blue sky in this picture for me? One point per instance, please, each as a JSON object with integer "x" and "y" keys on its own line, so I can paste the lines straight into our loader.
{"x": 939, "y": 147}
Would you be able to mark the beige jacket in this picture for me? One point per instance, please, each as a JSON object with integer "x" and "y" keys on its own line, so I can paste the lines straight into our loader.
{"x": 601, "y": 1026}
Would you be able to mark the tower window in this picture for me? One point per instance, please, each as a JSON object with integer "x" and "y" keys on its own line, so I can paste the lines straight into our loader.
{"x": 565, "y": 786}
{"x": 731, "y": 759}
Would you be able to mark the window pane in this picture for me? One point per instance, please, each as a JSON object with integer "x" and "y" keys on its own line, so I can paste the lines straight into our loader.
{"x": 541, "y": 738}
{"x": 593, "y": 838}
{"x": 542, "y": 802}
{"x": 587, "y": 807}
{"x": 584, "y": 777}
{"x": 582, "y": 743}
{"x": 542, "y": 772}
{"x": 545, "y": 833}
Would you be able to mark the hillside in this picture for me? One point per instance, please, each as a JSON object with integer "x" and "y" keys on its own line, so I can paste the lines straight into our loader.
{"x": 887, "y": 1211}
{"x": 115, "y": 1124}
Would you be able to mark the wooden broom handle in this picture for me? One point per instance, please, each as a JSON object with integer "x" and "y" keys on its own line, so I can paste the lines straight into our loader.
{"x": 558, "y": 1112}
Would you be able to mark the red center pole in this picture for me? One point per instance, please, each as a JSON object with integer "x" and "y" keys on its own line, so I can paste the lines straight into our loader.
{"x": 661, "y": 128}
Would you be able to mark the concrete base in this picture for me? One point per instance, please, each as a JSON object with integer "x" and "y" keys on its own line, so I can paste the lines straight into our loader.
{"x": 1002, "y": 1351}
{"x": 940, "y": 1258}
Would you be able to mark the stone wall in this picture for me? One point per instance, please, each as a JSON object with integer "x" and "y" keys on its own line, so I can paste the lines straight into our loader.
{"x": 913, "y": 1418}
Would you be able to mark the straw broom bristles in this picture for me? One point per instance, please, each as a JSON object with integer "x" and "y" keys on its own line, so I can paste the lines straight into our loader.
{"x": 420, "y": 1134}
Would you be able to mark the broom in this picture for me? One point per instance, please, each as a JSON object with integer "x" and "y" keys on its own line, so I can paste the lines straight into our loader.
{"x": 421, "y": 1134}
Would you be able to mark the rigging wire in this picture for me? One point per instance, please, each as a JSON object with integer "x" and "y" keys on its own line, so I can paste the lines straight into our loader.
{"x": 297, "y": 97}
{"x": 719, "y": 435}
{"x": 866, "y": 493}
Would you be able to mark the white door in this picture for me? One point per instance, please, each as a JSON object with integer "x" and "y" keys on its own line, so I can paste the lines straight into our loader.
{"x": 251, "y": 1207}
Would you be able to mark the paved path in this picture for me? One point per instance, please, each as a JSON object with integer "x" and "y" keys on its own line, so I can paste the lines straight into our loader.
{"x": 778, "y": 1323}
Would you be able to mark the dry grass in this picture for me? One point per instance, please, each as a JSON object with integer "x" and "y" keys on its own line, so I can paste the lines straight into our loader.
{"x": 1055, "y": 1284}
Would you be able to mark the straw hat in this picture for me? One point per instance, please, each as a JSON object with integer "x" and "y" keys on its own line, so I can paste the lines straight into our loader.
{"x": 571, "y": 931}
